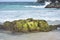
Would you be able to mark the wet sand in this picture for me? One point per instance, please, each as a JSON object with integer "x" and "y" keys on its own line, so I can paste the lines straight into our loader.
{"x": 53, "y": 35}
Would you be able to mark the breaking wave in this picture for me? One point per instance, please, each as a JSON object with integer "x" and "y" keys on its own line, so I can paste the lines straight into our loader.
{"x": 40, "y": 6}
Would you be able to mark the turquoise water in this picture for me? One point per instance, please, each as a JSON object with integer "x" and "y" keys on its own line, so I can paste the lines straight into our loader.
{"x": 15, "y": 11}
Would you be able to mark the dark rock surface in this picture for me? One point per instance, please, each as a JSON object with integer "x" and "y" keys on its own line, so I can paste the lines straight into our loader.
{"x": 40, "y": 1}
{"x": 53, "y": 5}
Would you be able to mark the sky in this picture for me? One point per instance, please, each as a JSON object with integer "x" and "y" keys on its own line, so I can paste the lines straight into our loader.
{"x": 17, "y": 0}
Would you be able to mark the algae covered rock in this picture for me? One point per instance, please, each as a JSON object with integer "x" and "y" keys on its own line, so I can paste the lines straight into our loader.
{"x": 43, "y": 25}
{"x": 7, "y": 25}
{"x": 25, "y": 28}
{"x": 28, "y": 25}
{"x": 32, "y": 26}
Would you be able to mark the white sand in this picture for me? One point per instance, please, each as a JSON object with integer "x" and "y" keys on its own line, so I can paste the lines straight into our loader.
{"x": 54, "y": 35}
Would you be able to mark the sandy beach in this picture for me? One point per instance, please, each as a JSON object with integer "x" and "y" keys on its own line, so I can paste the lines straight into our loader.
{"x": 53, "y": 35}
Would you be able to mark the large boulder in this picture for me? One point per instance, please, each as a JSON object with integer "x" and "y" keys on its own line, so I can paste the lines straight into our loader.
{"x": 28, "y": 25}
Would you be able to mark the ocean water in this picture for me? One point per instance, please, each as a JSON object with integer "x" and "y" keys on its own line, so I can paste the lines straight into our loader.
{"x": 10, "y": 11}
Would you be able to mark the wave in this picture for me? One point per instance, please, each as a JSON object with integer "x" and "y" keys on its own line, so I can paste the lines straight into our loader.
{"x": 44, "y": 14}
{"x": 34, "y": 6}
{"x": 40, "y": 6}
